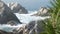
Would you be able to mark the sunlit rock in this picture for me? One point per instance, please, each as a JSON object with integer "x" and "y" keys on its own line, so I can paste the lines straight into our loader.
{"x": 42, "y": 12}
{"x": 17, "y": 8}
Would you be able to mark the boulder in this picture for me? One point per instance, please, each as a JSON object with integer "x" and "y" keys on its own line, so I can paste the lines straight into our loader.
{"x": 17, "y": 8}
{"x": 5, "y": 14}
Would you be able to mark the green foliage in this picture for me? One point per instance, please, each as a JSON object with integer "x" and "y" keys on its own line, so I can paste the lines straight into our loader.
{"x": 52, "y": 25}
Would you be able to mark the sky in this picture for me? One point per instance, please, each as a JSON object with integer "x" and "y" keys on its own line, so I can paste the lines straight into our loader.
{"x": 30, "y": 5}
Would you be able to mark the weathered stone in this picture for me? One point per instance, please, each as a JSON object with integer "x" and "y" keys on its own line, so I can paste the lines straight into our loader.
{"x": 6, "y": 14}
{"x": 17, "y": 8}
{"x": 42, "y": 12}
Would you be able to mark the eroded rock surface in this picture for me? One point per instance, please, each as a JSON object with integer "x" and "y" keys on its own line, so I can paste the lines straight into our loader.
{"x": 42, "y": 12}
{"x": 5, "y": 14}
{"x": 17, "y": 8}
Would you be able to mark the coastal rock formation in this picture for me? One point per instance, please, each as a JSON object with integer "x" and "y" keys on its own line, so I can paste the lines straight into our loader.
{"x": 17, "y": 8}
{"x": 42, "y": 12}
{"x": 5, "y": 14}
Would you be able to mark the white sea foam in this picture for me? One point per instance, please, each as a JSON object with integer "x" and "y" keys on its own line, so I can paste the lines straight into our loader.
{"x": 24, "y": 18}
{"x": 9, "y": 28}
{"x": 27, "y": 18}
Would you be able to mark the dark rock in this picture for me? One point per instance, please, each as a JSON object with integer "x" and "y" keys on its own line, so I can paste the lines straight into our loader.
{"x": 3, "y": 32}
{"x": 12, "y": 22}
{"x": 40, "y": 26}
{"x": 17, "y": 8}
{"x": 6, "y": 14}
{"x": 31, "y": 25}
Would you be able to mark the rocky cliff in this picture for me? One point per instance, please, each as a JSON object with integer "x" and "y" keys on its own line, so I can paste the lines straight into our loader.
{"x": 17, "y": 8}
{"x": 5, "y": 14}
{"x": 43, "y": 11}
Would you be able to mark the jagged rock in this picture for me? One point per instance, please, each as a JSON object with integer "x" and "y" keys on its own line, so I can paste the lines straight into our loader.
{"x": 17, "y": 8}
{"x": 6, "y": 14}
{"x": 43, "y": 11}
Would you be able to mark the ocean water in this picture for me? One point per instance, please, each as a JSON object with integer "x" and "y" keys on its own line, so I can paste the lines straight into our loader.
{"x": 31, "y": 6}
{"x": 25, "y": 19}
{"x": 9, "y": 28}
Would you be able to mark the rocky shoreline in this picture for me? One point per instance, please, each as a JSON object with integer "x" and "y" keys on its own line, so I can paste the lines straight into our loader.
{"x": 7, "y": 16}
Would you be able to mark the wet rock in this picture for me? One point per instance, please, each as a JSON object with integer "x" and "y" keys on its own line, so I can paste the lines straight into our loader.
{"x": 3, "y": 32}
{"x": 17, "y": 8}
{"x": 31, "y": 25}
{"x": 12, "y": 23}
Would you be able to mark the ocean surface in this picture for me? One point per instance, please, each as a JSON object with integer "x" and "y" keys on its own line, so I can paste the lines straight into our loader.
{"x": 31, "y": 6}
{"x": 25, "y": 19}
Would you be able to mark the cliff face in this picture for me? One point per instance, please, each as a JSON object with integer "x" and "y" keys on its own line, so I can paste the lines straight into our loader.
{"x": 42, "y": 12}
{"x": 5, "y": 14}
{"x": 7, "y": 17}
{"x": 17, "y": 8}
